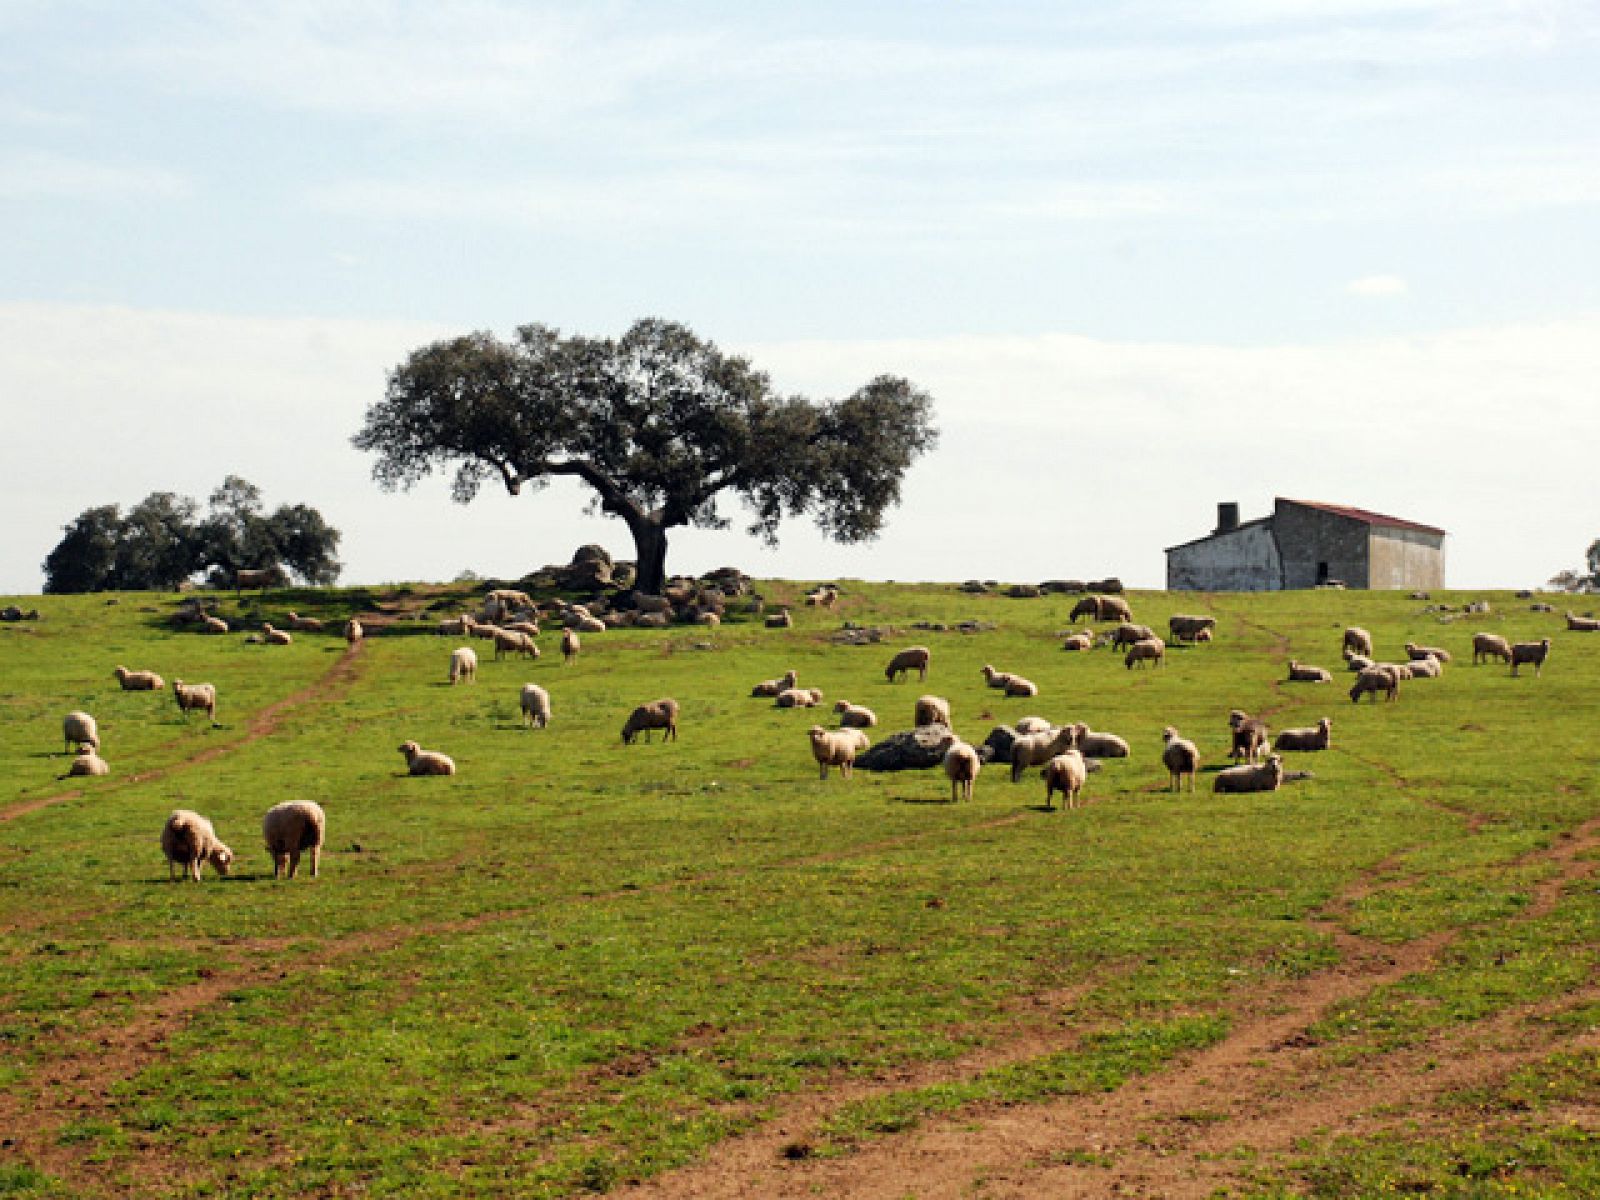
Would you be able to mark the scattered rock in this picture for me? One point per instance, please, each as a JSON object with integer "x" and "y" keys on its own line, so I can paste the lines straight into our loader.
{"x": 911, "y": 750}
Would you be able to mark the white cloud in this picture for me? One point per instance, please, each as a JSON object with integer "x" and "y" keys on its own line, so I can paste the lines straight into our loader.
{"x": 42, "y": 175}
{"x": 1377, "y": 285}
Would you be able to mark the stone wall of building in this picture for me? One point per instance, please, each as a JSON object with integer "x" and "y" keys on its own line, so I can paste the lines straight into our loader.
{"x": 1242, "y": 560}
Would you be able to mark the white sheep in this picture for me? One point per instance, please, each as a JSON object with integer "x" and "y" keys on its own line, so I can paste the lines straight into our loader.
{"x": 1097, "y": 745}
{"x": 455, "y": 626}
{"x": 274, "y": 637}
{"x": 1127, "y": 633}
{"x": 290, "y": 829}
{"x": 658, "y": 714}
{"x": 961, "y": 767}
{"x": 353, "y": 632}
{"x": 855, "y": 716}
{"x": 836, "y": 748}
{"x": 1316, "y": 737}
{"x": 1300, "y": 672}
{"x": 931, "y": 710}
{"x": 1425, "y": 668}
{"x": 1034, "y": 725}
{"x": 1010, "y": 684}
{"x": 1181, "y": 758}
{"x": 570, "y": 644}
{"x": 773, "y": 687}
{"x": 535, "y": 704}
{"x": 486, "y": 632}
{"x": 304, "y": 624}
{"x": 913, "y": 658}
{"x": 1151, "y": 649}
{"x": 188, "y": 839}
{"x": 1380, "y": 677}
{"x": 195, "y": 697}
{"x": 210, "y": 624}
{"x": 1082, "y": 640}
{"x": 1529, "y": 652}
{"x": 426, "y": 762}
{"x": 1258, "y": 777}
{"x": 779, "y": 620}
{"x": 1490, "y": 645}
{"x": 1065, "y": 773}
{"x": 77, "y": 728}
{"x": 87, "y": 762}
{"x": 1358, "y": 641}
{"x": 139, "y": 681}
{"x": 1414, "y": 651}
{"x": 589, "y": 625}
{"x": 1035, "y": 749}
{"x": 463, "y": 665}
{"x": 512, "y": 641}
{"x": 798, "y": 698}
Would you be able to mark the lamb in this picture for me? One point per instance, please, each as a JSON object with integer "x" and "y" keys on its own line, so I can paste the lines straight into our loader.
{"x": 291, "y": 828}
{"x": 353, "y": 632}
{"x": 304, "y": 624}
{"x": 798, "y": 698}
{"x": 1414, "y": 651}
{"x": 463, "y": 665}
{"x": 1358, "y": 641}
{"x": 510, "y": 641}
{"x": 210, "y": 624}
{"x": 1065, "y": 773}
{"x": 1011, "y": 685}
{"x": 1490, "y": 645}
{"x": 570, "y": 644}
{"x": 188, "y": 839}
{"x": 855, "y": 716}
{"x": 1188, "y": 628}
{"x": 426, "y": 762}
{"x": 274, "y": 637}
{"x": 1529, "y": 652}
{"x": 780, "y": 619}
{"x": 1127, "y": 633}
{"x": 836, "y": 748}
{"x": 961, "y": 767}
{"x": 139, "y": 681}
{"x": 1381, "y": 677}
{"x": 1079, "y": 641}
{"x": 535, "y": 704}
{"x": 195, "y": 697}
{"x": 772, "y": 687}
{"x": 1300, "y": 672}
{"x": 87, "y": 762}
{"x": 1181, "y": 757}
{"x": 1263, "y": 777}
{"x": 1151, "y": 649}
{"x": 1036, "y": 749}
{"x": 1317, "y": 737}
{"x": 1249, "y": 736}
{"x": 658, "y": 714}
{"x": 1577, "y": 624}
{"x": 931, "y": 710}
{"x": 1097, "y": 745}
{"x": 913, "y": 658}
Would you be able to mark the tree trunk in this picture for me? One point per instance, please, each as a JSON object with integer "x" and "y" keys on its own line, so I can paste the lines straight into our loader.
{"x": 650, "y": 549}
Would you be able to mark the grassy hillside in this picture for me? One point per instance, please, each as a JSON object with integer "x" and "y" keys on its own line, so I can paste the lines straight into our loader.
{"x": 578, "y": 965}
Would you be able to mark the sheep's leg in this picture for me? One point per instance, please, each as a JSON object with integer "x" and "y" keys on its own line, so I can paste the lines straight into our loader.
{"x": 194, "y": 869}
{"x": 316, "y": 859}
{"x": 294, "y": 862}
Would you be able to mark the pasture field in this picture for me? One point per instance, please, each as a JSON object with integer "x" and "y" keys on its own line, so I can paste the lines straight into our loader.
{"x": 694, "y": 968}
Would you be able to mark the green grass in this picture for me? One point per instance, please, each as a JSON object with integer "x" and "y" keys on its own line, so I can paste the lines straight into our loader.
{"x": 576, "y": 963}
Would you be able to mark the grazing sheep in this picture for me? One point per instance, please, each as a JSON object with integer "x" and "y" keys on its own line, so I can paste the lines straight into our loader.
{"x": 188, "y": 839}
{"x": 1089, "y": 607}
{"x": 1097, "y": 745}
{"x": 658, "y": 714}
{"x": 1317, "y": 737}
{"x": 798, "y": 698}
{"x": 353, "y": 632}
{"x": 1358, "y": 641}
{"x": 1035, "y": 749}
{"x": 1490, "y": 645}
{"x": 1065, "y": 773}
{"x": 1414, "y": 651}
{"x": 836, "y": 748}
{"x": 1529, "y": 652}
{"x": 1127, "y": 633}
{"x": 426, "y": 762}
{"x": 290, "y": 829}
{"x": 274, "y": 637}
{"x": 1011, "y": 685}
{"x": 961, "y": 767}
{"x": 139, "y": 681}
{"x": 510, "y": 641}
{"x": 531, "y": 628}
{"x": 535, "y": 706}
{"x": 913, "y": 658}
{"x": 463, "y": 665}
{"x": 262, "y": 578}
{"x": 1185, "y": 628}
{"x": 1249, "y": 736}
{"x": 779, "y": 620}
{"x": 304, "y": 624}
{"x": 854, "y": 716}
{"x": 195, "y": 697}
{"x": 931, "y": 710}
{"x": 1425, "y": 668}
{"x": 1181, "y": 758}
{"x": 87, "y": 762}
{"x": 210, "y": 624}
{"x": 1261, "y": 777}
{"x": 1300, "y": 672}
{"x": 1114, "y": 608}
{"x": 1381, "y": 677}
{"x": 1151, "y": 649}
{"x": 570, "y": 645}
{"x": 773, "y": 687}
{"x": 478, "y": 629}
{"x": 1079, "y": 641}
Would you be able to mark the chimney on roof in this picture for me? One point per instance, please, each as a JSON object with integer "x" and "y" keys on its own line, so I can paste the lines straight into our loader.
{"x": 1227, "y": 516}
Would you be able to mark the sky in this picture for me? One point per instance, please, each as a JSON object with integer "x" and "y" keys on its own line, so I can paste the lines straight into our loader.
{"x": 1145, "y": 256}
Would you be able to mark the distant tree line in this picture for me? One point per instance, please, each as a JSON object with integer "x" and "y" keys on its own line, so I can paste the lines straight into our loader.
{"x": 1578, "y": 581}
{"x": 164, "y": 541}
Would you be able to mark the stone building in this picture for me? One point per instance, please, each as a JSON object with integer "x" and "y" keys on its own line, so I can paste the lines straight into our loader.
{"x": 1303, "y": 544}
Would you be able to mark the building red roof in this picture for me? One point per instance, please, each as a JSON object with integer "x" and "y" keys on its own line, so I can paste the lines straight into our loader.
{"x": 1366, "y": 516}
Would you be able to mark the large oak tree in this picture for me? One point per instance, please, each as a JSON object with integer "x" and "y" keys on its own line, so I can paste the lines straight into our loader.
{"x": 659, "y": 423}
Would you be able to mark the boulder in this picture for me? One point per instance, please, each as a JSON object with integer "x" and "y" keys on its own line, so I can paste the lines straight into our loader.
{"x": 911, "y": 750}
{"x": 1023, "y": 591}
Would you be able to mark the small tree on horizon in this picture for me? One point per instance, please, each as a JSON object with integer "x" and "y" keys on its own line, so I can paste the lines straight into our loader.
{"x": 658, "y": 423}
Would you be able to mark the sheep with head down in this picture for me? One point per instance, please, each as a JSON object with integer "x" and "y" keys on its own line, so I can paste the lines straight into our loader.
{"x": 188, "y": 840}
{"x": 913, "y": 658}
{"x": 535, "y": 705}
{"x": 931, "y": 710}
{"x": 658, "y": 714}
{"x": 1066, "y": 773}
{"x": 79, "y": 728}
{"x": 1490, "y": 645}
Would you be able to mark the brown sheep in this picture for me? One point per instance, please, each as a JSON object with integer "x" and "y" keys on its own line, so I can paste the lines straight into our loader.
{"x": 1151, "y": 649}
{"x": 1358, "y": 641}
{"x": 1382, "y": 677}
{"x": 658, "y": 714}
{"x": 913, "y": 658}
{"x": 1489, "y": 645}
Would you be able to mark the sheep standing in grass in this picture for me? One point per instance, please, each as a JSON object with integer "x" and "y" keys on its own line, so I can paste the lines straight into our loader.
{"x": 1259, "y": 777}
{"x": 1036, "y": 749}
{"x": 1185, "y": 628}
{"x": 290, "y": 829}
{"x": 1181, "y": 758}
{"x": 195, "y": 697}
{"x": 1097, "y": 745}
{"x": 913, "y": 658}
{"x": 1358, "y": 641}
{"x": 1065, "y": 773}
{"x": 658, "y": 714}
{"x": 426, "y": 762}
{"x": 511, "y": 641}
{"x": 931, "y": 710}
{"x": 1249, "y": 736}
{"x": 961, "y": 767}
{"x": 570, "y": 645}
{"x": 353, "y": 633}
{"x": 463, "y": 665}
{"x": 1425, "y": 668}
{"x": 535, "y": 705}
{"x": 836, "y": 748}
{"x": 1490, "y": 645}
{"x": 78, "y": 728}
{"x": 855, "y": 716}
{"x": 1317, "y": 737}
{"x": 139, "y": 681}
{"x": 1300, "y": 672}
{"x": 1127, "y": 634}
{"x": 87, "y": 762}
{"x": 1529, "y": 652}
{"x": 1089, "y": 607}
{"x": 1151, "y": 650}
{"x": 774, "y": 687}
{"x": 188, "y": 839}
{"x": 1381, "y": 677}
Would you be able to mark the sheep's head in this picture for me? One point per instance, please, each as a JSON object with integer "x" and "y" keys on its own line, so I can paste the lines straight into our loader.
{"x": 1169, "y": 733}
{"x": 409, "y": 748}
{"x": 221, "y": 858}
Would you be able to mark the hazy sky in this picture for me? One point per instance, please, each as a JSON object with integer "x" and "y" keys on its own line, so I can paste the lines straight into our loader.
{"x": 1146, "y": 257}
